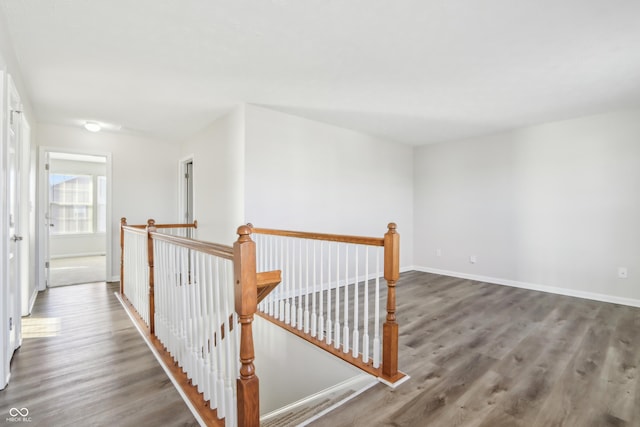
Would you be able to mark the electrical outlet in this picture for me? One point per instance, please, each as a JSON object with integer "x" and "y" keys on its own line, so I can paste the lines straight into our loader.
{"x": 622, "y": 272}
{"x": 438, "y": 252}
{"x": 473, "y": 259}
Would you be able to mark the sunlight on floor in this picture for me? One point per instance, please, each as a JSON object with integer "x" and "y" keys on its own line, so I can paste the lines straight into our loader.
{"x": 40, "y": 327}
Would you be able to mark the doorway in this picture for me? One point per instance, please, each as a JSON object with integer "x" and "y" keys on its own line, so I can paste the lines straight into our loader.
{"x": 186, "y": 203}
{"x": 75, "y": 200}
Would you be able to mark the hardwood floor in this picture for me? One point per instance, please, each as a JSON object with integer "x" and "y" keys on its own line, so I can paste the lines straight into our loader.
{"x": 86, "y": 365}
{"x": 489, "y": 355}
{"x": 478, "y": 355}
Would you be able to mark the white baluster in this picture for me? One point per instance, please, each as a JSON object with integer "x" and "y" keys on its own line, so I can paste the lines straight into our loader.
{"x": 365, "y": 318}
{"x": 356, "y": 332}
{"x": 283, "y": 286}
{"x": 271, "y": 296}
{"x": 220, "y": 393}
{"x": 202, "y": 334}
{"x": 345, "y": 333}
{"x": 329, "y": 332}
{"x": 321, "y": 307}
{"x": 294, "y": 284}
{"x": 206, "y": 319}
{"x": 376, "y": 324}
{"x": 300, "y": 292}
{"x": 230, "y": 376}
{"x": 314, "y": 319}
{"x": 336, "y": 325}
{"x": 287, "y": 305}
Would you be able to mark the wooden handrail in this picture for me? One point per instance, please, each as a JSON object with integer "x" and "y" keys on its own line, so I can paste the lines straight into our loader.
{"x": 222, "y": 251}
{"x": 267, "y": 282}
{"x": 194, "y": 224}
{"x": 358, "y": 240}
{"x": 134, "y": 228}
{"x": 388, "y": 369}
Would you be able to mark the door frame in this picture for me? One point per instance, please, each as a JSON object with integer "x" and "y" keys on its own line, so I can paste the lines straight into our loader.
{"x": 182, "y": 189}
{"x": 43, "y": 207}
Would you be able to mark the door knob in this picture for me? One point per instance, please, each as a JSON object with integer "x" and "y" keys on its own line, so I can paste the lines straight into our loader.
{"x": 16, "y": 238}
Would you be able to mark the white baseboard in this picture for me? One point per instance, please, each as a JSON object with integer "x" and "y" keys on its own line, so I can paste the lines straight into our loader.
{"x": 535, "y": 287}
{"x": 32, "y": 300}
{"x": 114, "y": 279}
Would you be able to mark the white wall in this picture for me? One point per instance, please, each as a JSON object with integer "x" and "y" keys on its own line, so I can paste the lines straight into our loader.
{"x": 552, "y": 207}
{"x": 144, "y": 174}
{"x": 218, "y": 177}
{"x": 310, "y": 176}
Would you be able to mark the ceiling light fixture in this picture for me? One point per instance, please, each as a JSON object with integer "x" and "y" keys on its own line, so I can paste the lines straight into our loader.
{"x": 92, "y": 126}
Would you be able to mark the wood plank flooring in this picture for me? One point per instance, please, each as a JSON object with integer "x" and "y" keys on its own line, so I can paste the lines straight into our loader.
{"x": 93, "y": 370}
{"x": 478, "y": 355}
{"x": 487, "y": 355}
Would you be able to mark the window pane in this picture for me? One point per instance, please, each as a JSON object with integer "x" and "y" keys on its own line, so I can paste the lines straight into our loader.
{"x": 71, "y": 203}
{"x": 102, "y": 204}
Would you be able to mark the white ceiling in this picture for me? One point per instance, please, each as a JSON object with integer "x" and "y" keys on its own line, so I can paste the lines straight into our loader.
{"x": 416, "y": 71}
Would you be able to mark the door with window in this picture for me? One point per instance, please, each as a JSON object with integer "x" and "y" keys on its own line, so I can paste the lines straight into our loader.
{"x": 77, "y": 219}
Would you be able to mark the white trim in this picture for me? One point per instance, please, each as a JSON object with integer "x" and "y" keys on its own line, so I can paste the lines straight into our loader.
{"x": 536, "y": 287}
{"x": 32, "y": 301}
{"x": 322, "y": 393}
{"x": 397, "y": 383}
{"x": 335, "y": 405}
{"x": 43, "y": 186}
{"x": 114, "y": 279}
{"x": 407, "y": 269}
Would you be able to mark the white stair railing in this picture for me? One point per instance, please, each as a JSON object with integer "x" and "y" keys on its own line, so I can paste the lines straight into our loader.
{"x": 195, "y": 320}
{"x": 195, "y": 301}
{"x": 136, "y": 271}
{"x": 330, "y": 288}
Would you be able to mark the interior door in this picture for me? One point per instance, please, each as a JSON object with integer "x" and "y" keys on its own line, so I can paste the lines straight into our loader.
{"x": 15, "y": 237}
{"x": 46, "y": 223}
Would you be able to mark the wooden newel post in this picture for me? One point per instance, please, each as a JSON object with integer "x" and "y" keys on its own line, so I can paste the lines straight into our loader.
{"x": 246, "y": 300}
{"x": 123, "y": 222}
{"x": 390, "y": 327}
{"x": 151, "y": 227}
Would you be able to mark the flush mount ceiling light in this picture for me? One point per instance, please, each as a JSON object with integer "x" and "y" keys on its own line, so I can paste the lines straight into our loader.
{"x": 92, "y": 126}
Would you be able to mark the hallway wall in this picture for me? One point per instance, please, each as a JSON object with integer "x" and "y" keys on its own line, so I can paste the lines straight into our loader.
{"x": 218, "y": 177}
{"x": 144, "y": 175}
